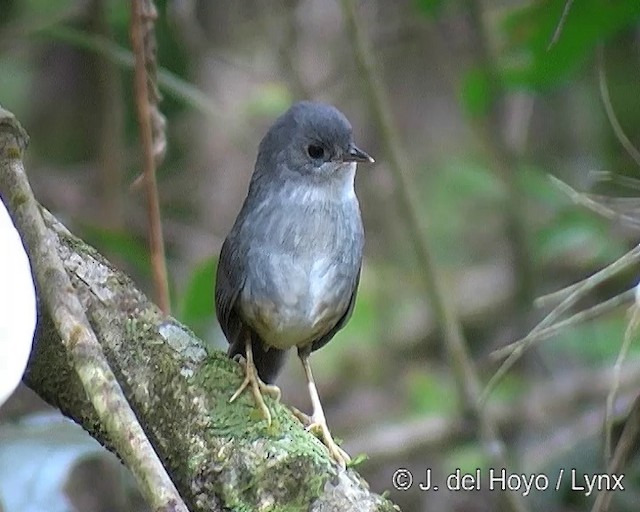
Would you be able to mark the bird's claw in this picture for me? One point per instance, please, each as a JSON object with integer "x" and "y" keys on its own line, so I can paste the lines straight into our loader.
{"x": 321, "y": 431}
{"x": 303, "y": 418}
{"x": 318, "y": 427}
{"x": 258, "y": 388}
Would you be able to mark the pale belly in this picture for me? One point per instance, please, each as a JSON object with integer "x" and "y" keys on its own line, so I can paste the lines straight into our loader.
{"x": 293, "y": 303}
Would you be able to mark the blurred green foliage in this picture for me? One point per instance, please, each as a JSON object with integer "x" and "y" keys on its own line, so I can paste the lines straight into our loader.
{"x": 270, "y": 101}
{"x": 467, "y": 457}
{"x": 577, "y": 234}
{"x": 591, "y": 343}
{"x": 196, "y": 303}
{"x": 124, "y": 247}
{"x": 530, "y": 61}
{"x": 476, "y": 92}
{"x": 430, "y": 392}
{"x": 430, "y": 7}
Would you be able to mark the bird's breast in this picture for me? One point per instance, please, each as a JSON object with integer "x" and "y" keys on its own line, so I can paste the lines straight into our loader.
{"x": 301, "y": 274}
{"x": 300, "y": 303}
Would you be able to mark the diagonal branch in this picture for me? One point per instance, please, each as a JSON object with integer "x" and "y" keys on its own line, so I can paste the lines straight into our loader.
{"x": 67, "y": 315}
{"x": 98, "y": 334}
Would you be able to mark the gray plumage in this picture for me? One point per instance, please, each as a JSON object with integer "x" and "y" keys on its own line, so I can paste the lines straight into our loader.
{"x": 289, "y": 269}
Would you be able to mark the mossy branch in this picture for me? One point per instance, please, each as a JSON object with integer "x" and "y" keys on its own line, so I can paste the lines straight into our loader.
{"x": 218, "y": 455}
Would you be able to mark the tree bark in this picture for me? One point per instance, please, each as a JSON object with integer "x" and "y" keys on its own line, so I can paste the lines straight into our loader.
{"x": 220, "y": 456}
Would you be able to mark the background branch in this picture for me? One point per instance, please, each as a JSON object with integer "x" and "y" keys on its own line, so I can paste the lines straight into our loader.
{"x": 467, "y": 377}
{"x": 503, "y": 159}
{"x": 625, "y": 447}
{"x": 152, "y": 137}
{"x": 609, "y": 110}
{"x": 544, "y": 402}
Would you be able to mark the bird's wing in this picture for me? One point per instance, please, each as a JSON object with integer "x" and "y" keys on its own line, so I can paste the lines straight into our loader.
{"x": 322, "y": 341}
{"x": 229, "y": 283}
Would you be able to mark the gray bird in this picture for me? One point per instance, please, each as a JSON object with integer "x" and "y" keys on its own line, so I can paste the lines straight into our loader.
{"x": 289, "y": 269}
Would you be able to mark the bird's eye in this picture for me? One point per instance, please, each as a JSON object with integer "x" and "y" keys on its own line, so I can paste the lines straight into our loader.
{"x": 315, "y": 151}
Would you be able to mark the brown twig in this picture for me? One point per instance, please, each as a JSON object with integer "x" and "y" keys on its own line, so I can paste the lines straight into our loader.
{"x": 151, "y": 122}
{"x": 57, "y": 295}
{"x": 466, "y": 375}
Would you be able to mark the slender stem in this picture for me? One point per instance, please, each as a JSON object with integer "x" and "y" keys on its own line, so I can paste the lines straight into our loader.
{"x": 466, "y": 374}
{"x": 505, "y": 162}
{"x": 629, "y": 335}
{"x": 407, "y": 203}
{"x": 611, "y": 114}
{"x": 625, "y": 447}
{"x": 561, "y": 23}
{"x": 141, "y": 27}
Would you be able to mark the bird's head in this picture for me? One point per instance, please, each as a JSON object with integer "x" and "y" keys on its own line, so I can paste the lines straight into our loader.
{"x": 312, "y": 139}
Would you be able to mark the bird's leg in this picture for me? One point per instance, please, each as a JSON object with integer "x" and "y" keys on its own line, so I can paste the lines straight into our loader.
{"x": 318, "y": 423}
{"x": 258, "y": 387}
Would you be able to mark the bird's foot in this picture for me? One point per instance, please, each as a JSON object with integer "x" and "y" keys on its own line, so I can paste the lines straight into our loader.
{"x": 302, "y": 417}
{"x": 317, "y": 424}
{"x": 258, "y": 388}
{"x": 318, "y": 427}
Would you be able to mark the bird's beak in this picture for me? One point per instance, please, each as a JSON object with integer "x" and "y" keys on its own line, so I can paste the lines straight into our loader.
{"x": 354, "y": 154}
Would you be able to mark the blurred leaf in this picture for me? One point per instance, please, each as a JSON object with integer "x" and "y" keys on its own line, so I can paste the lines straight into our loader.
{"x": 460, "y": 190}
{"x": 529, "y": 31}
{"x": 510, "y": 388}
{"x": 576, "y": 231}
{"x": 197, "y": 304}
{"x": 540, "y": 189}
{"x": 15, "y": 82}
{"x": 594, "y": 342}
{"x": 118, "y": 15}
{"x": 358, "y": 460}
{"x": 430, "y": 392}
{"x": 45, "y": 8}
{"x": 270, "y": 100}
{"x": 119, "y": 244}
{"x": 468, "y": 179}
{"x": 468, "y": 458}
{"x": 430, "y": 7}
{"x": 476, "y": 95}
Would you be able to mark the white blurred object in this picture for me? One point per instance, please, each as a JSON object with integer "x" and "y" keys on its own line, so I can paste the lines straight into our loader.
{"x": 37, "y": 459}
{"x": 17, "y": 306}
